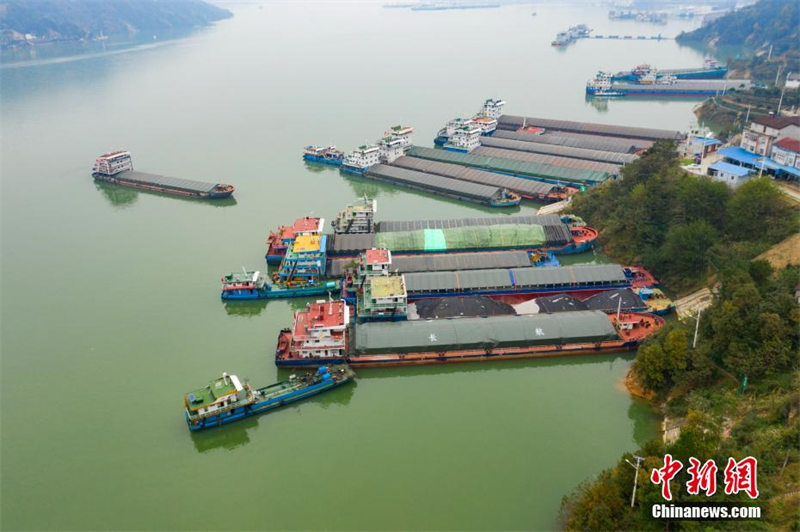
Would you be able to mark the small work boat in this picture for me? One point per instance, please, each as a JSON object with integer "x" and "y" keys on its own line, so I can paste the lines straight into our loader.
{"x": 228, "y": 399}
{"x": 247, "y": 285}
{"x": 656, "y": 300}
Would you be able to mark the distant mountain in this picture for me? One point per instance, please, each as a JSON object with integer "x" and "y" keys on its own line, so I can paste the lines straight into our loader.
{"x": 757, "y": 26}
{"x": 62, "y": 20}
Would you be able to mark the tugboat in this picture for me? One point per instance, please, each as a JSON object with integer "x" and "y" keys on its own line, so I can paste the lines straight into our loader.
{"x": 249, "y": 285}
{"x": 328, "y": 155}
{"x": 541, "y": 259}
{"x": 656, "y": 300}
{"x": 229, "y": 399}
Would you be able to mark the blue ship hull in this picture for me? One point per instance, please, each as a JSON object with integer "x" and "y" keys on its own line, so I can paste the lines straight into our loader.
{"x": 715, "y": 73}
{"x": 265, "y": 406}
{"x": 352, "y": 170}
{"x": 278, "y": 293}
{"x": 321, "y": 160}
{"x": 274, "y": 259}
{"x": 459, "y": 150}
{"x": 440, "y": 141}
{"x": 650, "y": 90}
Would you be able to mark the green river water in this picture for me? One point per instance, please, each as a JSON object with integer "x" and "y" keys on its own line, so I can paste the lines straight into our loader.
{"x": 110, "y": 297}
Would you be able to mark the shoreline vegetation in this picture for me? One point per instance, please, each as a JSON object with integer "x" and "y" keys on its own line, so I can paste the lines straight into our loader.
{"x": 737, "y": 392}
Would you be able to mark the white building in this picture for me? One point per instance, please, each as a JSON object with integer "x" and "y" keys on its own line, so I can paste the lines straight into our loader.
{"x": 730, "y": 174}
{"x": 764, "y": 130}
{"x": 786, "y": 151}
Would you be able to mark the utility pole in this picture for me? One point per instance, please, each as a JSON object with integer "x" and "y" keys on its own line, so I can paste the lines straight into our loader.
{"x": 780, "y": 102}
{"x": 777, "y": 74}
{"x": 769, "y": 55}
{"x": 696, "y": 328}
{"x": 747, "y": 117}
{"x": 635, "y": 477}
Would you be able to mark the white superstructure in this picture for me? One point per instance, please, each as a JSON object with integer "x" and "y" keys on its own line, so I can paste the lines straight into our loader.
{"x": 493, "y": 108}
{"x": 113, "y": 163}
{"x": 363, "y": 157}
{"x": 465, "y": 138}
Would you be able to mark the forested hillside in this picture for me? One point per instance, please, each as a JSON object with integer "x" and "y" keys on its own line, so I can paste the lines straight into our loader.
{"x": 63, "y": 20}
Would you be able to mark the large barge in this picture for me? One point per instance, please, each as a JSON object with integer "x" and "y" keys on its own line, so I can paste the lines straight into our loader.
{"x": 643, "y": 73}
{"x": 515, "y": 123}
{"x": 417, "y": 342}
{"x": 576, "y": 140}
{"x": 461, "y": 236}
{"x": 117, "y": 167}
{"x": 527, "y": 189}
{"x": 517, "y": 284}
{"x": 548, "y": 173}
{"x": 229, "y": 399}
{"x": 602, "y": 84}
{"x": 610, "y": 157}
{"x": 611, "y": 169}
{"x": 444, "y": 186}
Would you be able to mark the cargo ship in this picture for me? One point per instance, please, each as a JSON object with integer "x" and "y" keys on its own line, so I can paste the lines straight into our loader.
{"x": 117, "y": 167}
{"x": 711, "y": 69}
{"x": 230, "y": 399}
{"x": 416, "y": 342}
{"x": 278, "y": 241}
{"x": 325, "y": 155}
{"x": 485, "y": 120}
{"x": 667, "y": 85}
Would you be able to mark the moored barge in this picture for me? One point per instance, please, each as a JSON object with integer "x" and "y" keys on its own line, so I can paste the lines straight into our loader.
{"x": 444, "y": 186}
{"x": 117, "y": 168}
{"x": 501, "y": 337}
{"x": 229, "y": 399}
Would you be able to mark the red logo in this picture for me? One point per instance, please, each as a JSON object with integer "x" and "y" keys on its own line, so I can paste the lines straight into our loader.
{"x": 703, "y": 477}
{"x": 665, "y": 474}
{"x": 741, "y": 476}
{"x": 738, "y": 476}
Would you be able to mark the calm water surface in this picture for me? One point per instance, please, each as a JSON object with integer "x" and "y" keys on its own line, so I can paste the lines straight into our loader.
{"x": 110, "y": 297}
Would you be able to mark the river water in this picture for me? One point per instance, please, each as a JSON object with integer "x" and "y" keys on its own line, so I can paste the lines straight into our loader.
{"x": 110, "y": 297}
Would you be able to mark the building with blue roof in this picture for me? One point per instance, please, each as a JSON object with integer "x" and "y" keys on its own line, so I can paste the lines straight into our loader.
{"x": 732, "y": 175}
